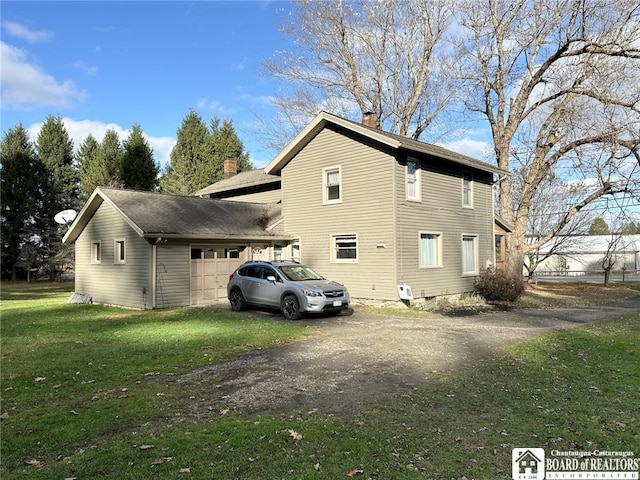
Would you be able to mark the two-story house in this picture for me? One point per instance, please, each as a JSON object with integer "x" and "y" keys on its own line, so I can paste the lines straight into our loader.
{"x": 386, "y": 215}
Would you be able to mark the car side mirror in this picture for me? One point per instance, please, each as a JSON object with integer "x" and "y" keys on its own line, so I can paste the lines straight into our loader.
{"x": 271, "y": 279}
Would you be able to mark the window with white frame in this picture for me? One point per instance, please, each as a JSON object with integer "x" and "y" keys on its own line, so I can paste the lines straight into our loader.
{"x": 469, "y": 254}
{"x": 96, "y": 252}
{"x": 430, "y": 249}
{"x": 119, "y": 252}
{"x": 467, "y": 189}
{"x": 332, "y": 180}
{"x": 413, "y": 179}
{"x": 295, "y": 249}
{"x": 345, "y": 248}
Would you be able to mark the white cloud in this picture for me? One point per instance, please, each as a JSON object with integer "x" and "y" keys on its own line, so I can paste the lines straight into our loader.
{"x": 26, "y": 85}
{"x": 79, "y": 130}
{"x": 90, "y": 70}
{"x": 466, "y": 146}
{"x": 239, "y": 65}
{"x": 20, "y": 31}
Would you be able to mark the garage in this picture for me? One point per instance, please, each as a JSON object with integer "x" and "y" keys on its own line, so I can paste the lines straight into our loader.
{"x": 211, "y": 266}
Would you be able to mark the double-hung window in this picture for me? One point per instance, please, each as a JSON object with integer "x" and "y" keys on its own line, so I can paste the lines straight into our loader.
{"x": 332, "y": 180}
{"x": 413, "y": 179}
{"x": 469, "y": 254}
{"x": 467, "y": 190}
{"x": 119, "y": 252}
{"x": 345, "y": 248}
{"x": 430, "y": 249}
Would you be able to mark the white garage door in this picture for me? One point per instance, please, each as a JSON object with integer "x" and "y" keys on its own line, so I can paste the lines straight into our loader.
{"x": 210, "y": 270}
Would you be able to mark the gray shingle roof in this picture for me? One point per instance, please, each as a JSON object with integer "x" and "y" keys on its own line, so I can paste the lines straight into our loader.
{"x": 389, "y": 139}
{"x": 250, "y": 178}
{"x": 172, "y": 216}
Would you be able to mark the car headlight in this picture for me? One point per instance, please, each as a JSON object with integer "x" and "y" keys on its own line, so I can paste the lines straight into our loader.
{"x": 310, "y": 293}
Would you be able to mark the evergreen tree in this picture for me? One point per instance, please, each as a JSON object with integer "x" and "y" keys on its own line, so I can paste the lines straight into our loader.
{"x": 224, "y": 144}
{"x": 22, "y": 183}
{"x": 599, "y": 227}
{"x": 189, "y": 157}
{"x": 111, "y": 158}
{"x": 138, "y": 169}
{"x": 55, "y": 151}
{"x": 631, "y": 229}
{"x": 90, "y": 167}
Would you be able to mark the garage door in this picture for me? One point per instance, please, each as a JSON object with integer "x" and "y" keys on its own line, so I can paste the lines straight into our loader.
{"x": 210, "y": 270}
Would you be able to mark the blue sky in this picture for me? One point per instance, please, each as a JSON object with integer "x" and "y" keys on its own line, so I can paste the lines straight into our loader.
{"x": 106, "y": 65}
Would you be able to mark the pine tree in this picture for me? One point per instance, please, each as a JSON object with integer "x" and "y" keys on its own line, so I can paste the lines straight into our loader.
{"x": 90, "y": 167}
{"x": 138, "y": 169}
{"x": 188, "y": 157}
{"x": 22, "y": 183}
{"x": 599, "y": 227}
{"x": 111, "y": 152}
{"x": 55, "y": 151}
{"x": 224, "y": 144}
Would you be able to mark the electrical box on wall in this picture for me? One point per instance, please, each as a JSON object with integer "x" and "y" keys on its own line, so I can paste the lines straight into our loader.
{"x": 404, "y": 292}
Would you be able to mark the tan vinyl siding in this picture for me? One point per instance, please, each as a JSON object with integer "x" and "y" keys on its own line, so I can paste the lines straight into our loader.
{"x": 441, "y": 211}
{"x": 172, "y": 275}
{"x": 125, "y": 284}
{"x": 366, "y": 209}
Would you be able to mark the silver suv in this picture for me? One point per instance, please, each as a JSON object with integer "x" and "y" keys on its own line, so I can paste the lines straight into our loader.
{"x": 290, "y": 286}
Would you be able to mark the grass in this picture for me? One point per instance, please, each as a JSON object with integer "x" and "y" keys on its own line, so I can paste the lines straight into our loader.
{"x": 87, "y": 392}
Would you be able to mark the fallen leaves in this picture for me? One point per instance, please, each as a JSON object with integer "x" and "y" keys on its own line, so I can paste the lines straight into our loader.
{"x": 40, "y": 379}
{"x": 295, "y": 435}
{"x": 34, "y": 463}
{"x": 353, "y": 472}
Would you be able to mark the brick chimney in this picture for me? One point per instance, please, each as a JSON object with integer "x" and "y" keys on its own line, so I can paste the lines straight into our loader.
{"x": 230, "y": 167}
{"x": 370, "y": 119}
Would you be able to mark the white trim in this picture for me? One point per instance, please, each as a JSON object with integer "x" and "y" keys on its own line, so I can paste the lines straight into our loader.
{"x": 417, "y": 194}
{"x": 325, "y": 185}
{"x": 471, "y": 182}
{"x": 119, "y": 251}
{"x": 439, "y": 243}
{"x": 334, "y": 248}
{"x": 476, "y": 241}
{"x": 96, "y": 254}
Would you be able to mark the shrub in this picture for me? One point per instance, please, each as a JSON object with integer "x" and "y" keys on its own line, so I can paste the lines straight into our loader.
{"x": 497, "y": 285}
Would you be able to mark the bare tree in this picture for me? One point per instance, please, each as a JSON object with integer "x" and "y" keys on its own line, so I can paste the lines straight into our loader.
{"x": 558, "y": 83}
{"x": 352, "y": 57}
{"x": 553, "y": 198}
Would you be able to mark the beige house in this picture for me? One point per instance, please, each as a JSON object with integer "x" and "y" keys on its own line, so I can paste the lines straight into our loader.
{"x": 388, "y": 216}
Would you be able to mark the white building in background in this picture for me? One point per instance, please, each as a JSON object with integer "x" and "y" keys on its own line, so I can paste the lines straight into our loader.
{"x": 579, "y": 255}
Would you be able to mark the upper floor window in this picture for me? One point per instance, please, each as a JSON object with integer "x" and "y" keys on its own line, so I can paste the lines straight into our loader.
{"x": 96, "y": 252}
{"x": 430, "y": 249}
{"x": 119, "y": 252}
{"x": 345, "y": 248}
{"x": 467, "y": 189}
{"x": 332, "y": 180}
{"x": 469, "y": 254}
{"x": 413, "y": 179}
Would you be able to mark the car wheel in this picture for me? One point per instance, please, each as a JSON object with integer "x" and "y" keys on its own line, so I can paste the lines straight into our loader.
{"x": 238, "y": 303}
{"x": 291, "y": 307}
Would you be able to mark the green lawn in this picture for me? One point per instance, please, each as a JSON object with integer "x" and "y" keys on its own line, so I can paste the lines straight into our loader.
{"x": 87, "y": 393}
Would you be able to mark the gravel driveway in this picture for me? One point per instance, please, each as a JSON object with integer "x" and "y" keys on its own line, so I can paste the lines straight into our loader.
{"x": 360, "y": 358}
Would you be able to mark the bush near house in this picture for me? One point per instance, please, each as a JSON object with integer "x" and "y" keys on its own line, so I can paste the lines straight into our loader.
{"x": 498, "y": 286}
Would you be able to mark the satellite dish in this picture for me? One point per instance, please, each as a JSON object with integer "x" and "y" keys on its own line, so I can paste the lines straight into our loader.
{"x": 65, "y": 217}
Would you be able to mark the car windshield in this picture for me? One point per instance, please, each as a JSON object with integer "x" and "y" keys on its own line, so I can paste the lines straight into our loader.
{"x": 299, "y": 273}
